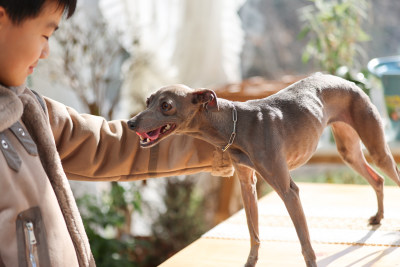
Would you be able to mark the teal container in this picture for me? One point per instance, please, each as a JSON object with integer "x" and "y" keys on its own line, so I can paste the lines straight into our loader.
{"x": 387, "y": 69}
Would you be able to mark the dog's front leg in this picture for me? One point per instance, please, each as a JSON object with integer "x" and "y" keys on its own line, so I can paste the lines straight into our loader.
{"x": 249, "y": 195}
{"x": 279, "y": 178}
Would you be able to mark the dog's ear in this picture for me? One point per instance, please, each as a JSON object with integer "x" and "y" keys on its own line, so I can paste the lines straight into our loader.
{"x": 206, "y": 97}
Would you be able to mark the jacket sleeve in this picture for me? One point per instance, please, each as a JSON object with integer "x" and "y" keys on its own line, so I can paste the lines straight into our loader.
{"x": 92, "y": 148}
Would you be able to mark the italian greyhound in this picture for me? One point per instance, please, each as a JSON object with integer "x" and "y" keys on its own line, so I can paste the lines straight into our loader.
{"x": 273, "y": 135}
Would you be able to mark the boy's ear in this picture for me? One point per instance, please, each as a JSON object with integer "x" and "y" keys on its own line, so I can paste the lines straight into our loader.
{"x": 206, "y": 97}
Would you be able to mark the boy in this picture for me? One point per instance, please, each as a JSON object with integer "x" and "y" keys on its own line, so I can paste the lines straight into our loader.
{"x": 42, "y": 141}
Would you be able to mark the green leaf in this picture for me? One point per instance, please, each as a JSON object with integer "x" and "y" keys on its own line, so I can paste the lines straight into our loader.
{"x": 303, "y": 33}
{"x": 363, "y": 36}
{"x": 305, "y": 57}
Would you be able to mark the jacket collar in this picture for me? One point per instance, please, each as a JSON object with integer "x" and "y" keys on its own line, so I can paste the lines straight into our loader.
{"x": 11, "y": 107}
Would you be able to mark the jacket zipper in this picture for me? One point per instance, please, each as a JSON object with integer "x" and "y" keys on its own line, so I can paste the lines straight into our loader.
{"x": 32, "y": 243}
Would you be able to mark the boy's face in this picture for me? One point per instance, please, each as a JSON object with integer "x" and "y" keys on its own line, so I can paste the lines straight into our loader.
{"x": 22, "y": 45}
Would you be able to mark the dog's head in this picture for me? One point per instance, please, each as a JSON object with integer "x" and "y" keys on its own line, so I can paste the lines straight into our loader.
{"x": 170, "y": 110}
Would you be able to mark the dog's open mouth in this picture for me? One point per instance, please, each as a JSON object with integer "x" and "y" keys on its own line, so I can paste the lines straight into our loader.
{"x": 152, "y": 137}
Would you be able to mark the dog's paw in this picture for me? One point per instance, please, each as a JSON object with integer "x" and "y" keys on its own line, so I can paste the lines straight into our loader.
{"x": 251, "y": 261}
{"x": 311, "y": 263}
{"x": 375, "y": 220}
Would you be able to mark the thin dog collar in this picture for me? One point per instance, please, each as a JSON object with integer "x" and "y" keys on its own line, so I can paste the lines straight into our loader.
{"x": 233, "y": 134}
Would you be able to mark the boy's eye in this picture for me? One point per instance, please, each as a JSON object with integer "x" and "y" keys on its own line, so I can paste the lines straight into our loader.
{"x": 46, "y": 37}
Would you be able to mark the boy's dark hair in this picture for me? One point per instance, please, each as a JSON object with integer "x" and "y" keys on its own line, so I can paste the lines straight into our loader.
{"x": 19, "y": 10}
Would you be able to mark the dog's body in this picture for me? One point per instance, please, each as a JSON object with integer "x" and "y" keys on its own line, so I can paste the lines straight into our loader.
{"x": 276, "y": 134}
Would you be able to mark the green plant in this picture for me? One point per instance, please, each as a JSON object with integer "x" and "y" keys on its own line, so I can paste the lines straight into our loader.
{"x": 182, "y": 222}
{"x": 334, "y": 28}
{"x": 107, "y": 222}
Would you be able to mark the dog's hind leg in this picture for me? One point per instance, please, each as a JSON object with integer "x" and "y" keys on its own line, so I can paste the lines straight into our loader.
{"x": 249, "y": 195}
{"x": 349, "y": 146}
{"x": 367, "y": 123}
{"x": 382, "y": 156}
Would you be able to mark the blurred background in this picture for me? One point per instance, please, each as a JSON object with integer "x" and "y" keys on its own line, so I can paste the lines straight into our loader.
{"x": 112, "y": 54}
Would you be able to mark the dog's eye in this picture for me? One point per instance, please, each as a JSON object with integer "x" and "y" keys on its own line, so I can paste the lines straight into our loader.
{"x": 166, "y": 106}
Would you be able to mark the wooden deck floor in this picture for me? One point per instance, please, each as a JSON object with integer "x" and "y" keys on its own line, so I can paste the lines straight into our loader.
{"x": 337, "y": 216}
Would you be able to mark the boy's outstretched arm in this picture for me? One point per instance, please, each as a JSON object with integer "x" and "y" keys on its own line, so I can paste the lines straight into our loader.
{"x": 92, "y": 148}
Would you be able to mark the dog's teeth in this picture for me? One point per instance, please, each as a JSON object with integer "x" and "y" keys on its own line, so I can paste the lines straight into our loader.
{"x": 147, "y": 140}
{"x": 166, "y": 128}
{"x": 141, "y": 138}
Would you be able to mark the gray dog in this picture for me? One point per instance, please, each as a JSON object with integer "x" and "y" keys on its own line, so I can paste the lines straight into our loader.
{"x": 273, "y": 135}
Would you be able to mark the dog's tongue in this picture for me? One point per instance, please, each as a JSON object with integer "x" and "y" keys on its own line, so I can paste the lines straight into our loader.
{"x": 152, "y": 135}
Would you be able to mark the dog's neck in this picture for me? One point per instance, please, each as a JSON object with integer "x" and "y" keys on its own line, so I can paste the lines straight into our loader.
{"x": 217, "y": 126}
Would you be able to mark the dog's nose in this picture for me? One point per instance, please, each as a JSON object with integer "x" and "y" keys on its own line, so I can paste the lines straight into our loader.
{"x": 132, "y": 124}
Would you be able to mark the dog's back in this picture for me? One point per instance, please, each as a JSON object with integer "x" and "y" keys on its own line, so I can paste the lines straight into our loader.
{"x": 300, "y": 113}
{"x": 326, "y": 97}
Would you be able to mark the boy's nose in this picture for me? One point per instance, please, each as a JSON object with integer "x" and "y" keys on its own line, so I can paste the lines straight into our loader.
{"x": 45, "y": 51}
